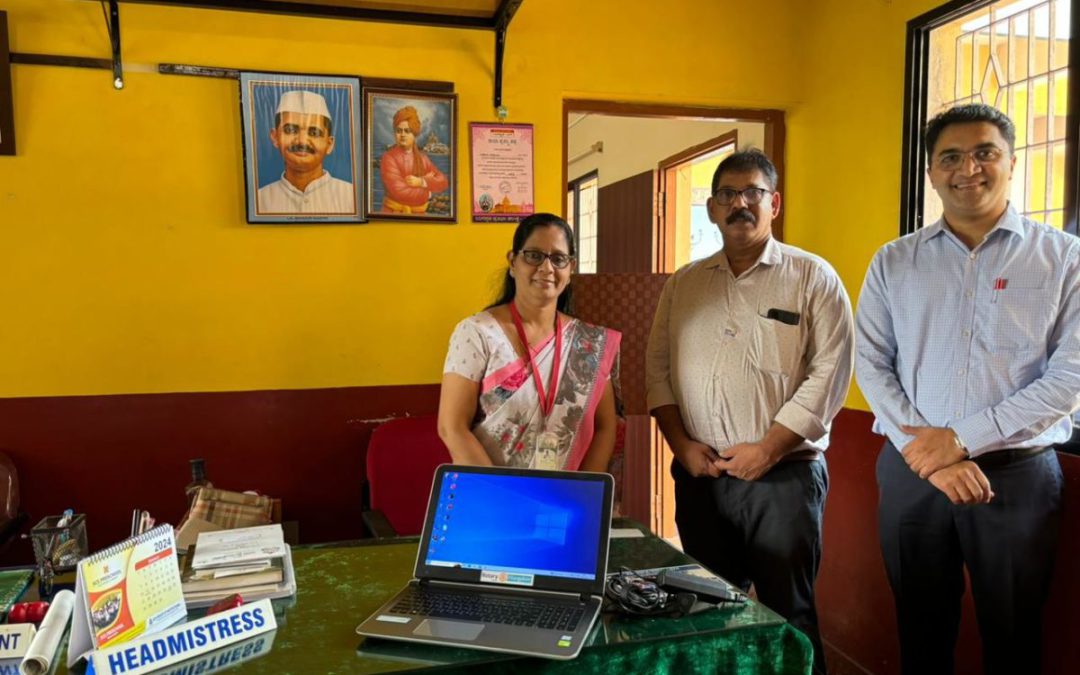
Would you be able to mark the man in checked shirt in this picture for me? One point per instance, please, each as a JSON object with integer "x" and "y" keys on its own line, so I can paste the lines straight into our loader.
{"x": 749, "y": 360}
{"x": 968, "y": 351}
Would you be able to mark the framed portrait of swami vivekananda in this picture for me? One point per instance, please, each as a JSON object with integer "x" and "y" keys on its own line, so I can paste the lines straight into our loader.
{"x": 7, "y": 106}
{"x": 303, "y": 148}
{"x": 411, "y": 146}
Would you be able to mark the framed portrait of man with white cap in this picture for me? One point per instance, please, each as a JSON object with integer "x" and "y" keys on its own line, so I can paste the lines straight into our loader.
{"x": 303, "y": 160}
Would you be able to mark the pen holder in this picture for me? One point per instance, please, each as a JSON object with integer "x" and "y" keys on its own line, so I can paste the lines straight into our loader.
{"x": 60, "y": 546}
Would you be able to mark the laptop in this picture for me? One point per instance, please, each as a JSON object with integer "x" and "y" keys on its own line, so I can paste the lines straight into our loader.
{"x": 510, "y": 560}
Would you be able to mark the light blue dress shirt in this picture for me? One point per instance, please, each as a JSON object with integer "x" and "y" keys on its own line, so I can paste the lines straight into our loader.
{"x": 985, "y": 340}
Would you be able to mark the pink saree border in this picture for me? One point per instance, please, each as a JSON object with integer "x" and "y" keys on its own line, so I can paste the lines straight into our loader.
{"x": 583, "y": 438}
{"x": 511, "y": 369}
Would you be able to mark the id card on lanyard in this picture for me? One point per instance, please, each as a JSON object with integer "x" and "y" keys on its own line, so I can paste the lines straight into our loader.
{"x": 546, "y": 454}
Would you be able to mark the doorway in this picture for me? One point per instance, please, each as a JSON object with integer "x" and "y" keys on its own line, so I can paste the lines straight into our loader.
{"x": 648, "y": 169}
{"x": 685, "y": 181}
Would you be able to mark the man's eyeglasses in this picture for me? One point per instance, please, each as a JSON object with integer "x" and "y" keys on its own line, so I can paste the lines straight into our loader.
{"x": 536, "y": 258}
{"x": 751, "y": 195}
{"x": 955, "y": 159}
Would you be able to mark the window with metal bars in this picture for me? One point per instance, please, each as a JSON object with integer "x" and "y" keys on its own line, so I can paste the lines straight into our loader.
{"x": 1015, "y": 55}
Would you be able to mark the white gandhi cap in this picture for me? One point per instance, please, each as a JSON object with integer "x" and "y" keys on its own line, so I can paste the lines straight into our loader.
{"x": 304, "y": 103}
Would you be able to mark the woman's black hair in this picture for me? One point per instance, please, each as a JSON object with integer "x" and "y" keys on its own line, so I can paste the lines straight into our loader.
{"x": 524, "y": 230}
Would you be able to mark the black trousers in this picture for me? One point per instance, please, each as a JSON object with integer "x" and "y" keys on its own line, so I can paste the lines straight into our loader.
{"x": 766, "y": 532}
{"x": 1007, "y": 546}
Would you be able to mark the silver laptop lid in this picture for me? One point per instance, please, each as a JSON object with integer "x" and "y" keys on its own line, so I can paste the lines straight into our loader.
{"x": 517, "y": 528}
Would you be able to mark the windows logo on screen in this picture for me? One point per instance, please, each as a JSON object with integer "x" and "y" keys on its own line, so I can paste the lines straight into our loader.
{"x": 551, "y": 527}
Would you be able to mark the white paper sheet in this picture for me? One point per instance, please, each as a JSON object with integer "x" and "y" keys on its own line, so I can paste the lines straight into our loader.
{"x": 43, "y": 649}
{"x": 240, "y": 546}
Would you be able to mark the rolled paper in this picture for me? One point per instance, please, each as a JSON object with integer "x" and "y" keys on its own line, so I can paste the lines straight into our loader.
{"x": 43, "y": 648}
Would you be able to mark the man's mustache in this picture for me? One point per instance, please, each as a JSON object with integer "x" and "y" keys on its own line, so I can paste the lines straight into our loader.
{"x": 741, "y": 214}
{"x": 301, "y": 147}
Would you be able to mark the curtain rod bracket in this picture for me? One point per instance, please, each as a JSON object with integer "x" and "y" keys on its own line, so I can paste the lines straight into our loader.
{"x": 502, "y": 18}
{"x": 113, "y": 24}
{"x": 500, "y": 46}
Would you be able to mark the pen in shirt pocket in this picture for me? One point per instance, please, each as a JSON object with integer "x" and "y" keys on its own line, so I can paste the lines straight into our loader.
{"x": 999, "y": 285}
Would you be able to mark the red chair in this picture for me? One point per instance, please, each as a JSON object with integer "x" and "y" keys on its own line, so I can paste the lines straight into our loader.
{"x": 401, "y": 461}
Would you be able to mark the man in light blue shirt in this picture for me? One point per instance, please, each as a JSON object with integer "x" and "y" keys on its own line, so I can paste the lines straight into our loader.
{"x": 968, "y": 351}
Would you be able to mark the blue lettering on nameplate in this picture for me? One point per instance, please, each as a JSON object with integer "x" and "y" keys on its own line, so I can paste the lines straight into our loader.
{"x": 15, "y": 639}
{"x": 186, "y": 641}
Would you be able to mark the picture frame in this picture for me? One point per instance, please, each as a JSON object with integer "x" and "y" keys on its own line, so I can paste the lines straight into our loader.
{"x": 414, "y": 177}
{"x": 303, "y": 148}
{"x": 7, "y": 104}
{"x": 501, "y": 161}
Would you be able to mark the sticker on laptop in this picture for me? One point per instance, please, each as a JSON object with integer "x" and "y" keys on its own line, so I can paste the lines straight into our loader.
{"x": 393, "y": 619}
{"x": 565, "y": 640}
{"x": 512, "y": 578}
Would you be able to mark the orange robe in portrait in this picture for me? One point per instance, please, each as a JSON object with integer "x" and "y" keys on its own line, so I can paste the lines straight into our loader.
{"x": 396, "y": 164}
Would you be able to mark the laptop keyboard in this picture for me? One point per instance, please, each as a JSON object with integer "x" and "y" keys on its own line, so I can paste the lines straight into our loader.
{"x": 444, "y": 604}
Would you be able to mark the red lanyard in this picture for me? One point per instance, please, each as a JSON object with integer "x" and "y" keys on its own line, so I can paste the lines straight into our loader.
{"x": 547, "y": 403}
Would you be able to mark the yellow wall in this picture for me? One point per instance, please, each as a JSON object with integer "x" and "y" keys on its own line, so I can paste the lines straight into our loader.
{"x": 126, "y": 264}
{"x": 844, "y": 142}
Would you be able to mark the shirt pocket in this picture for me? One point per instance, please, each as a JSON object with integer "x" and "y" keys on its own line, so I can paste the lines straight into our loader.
{"x": 775, "y": 347}
{"x": 1020, "y": 315}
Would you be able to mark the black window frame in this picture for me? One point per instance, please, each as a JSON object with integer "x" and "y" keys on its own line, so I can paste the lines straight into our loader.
{"x": 916, "y": 59}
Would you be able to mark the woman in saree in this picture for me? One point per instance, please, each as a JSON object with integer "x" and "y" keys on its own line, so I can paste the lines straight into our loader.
{"x": 526, "y": 384}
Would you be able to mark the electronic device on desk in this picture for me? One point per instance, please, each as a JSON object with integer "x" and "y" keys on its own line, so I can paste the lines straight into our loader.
{"x": 538, "y": 593}
{"x": 701, "y": 582}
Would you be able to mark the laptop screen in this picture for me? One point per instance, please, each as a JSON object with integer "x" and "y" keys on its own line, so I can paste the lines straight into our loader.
{"x": 517, "y": 528}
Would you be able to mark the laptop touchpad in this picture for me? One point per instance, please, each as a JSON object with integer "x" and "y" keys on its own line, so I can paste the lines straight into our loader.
{"x": 451, "y": 630}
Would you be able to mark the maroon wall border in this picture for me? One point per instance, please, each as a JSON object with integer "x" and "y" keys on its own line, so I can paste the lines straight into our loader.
{"x": 106, "y": 455}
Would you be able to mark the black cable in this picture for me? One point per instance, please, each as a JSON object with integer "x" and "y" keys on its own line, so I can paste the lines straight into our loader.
{"x": 633, "y": 594}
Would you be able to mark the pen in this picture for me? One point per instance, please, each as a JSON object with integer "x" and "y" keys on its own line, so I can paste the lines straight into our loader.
{"x": 65, "y": 518}
{"x": 1000, "y": 284}
{"x": 57, "y": 541}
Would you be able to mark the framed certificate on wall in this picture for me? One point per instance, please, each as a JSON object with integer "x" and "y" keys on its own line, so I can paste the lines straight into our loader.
{"x": 502, "y": 172}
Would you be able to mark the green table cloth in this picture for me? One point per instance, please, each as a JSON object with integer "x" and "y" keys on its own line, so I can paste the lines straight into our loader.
{"x": 341, "y": 584}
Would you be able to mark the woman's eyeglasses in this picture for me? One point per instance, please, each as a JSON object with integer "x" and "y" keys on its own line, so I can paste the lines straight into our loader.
{"x": 536, "y": 258}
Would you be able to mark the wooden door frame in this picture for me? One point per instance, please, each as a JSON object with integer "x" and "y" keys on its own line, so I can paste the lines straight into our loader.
{"x": 774, "y": 146}
{"x": 664, "y": 231}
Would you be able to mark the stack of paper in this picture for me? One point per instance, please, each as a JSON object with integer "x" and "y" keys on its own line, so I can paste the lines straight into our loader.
{"x": 252, "y": 561}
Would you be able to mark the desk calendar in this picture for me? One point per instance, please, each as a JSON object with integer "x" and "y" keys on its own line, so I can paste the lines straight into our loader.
{"x": 127, "y": 590}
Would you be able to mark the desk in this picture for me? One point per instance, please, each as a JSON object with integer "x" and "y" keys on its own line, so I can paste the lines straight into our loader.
{"x": 341, "y": 584}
